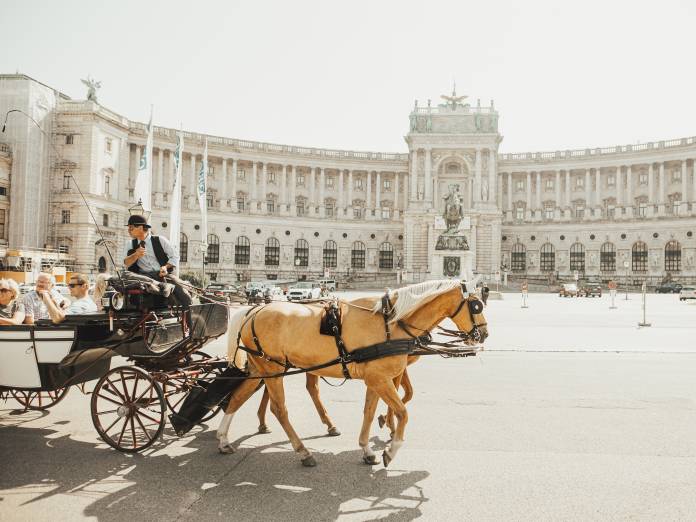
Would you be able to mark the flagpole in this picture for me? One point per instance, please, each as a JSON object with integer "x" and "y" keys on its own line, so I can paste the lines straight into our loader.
{"x": 203, "y": 203}
{"x": 175, "y": 209}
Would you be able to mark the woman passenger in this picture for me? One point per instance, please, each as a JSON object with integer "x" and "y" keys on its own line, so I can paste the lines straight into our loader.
{"x": 100, "y": 286}
{"x": 11, "y": 309}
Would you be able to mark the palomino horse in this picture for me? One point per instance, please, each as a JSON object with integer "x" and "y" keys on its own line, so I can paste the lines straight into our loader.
{"x": 284, "y": 335}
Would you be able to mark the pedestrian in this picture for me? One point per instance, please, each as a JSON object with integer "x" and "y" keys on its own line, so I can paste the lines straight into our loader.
{"x": 484, "y": 294}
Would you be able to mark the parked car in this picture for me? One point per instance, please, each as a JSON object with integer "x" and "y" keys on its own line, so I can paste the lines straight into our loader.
{"x": 273, "y": 293}
{"x": 304, "y": 290}
{"x": 687, "y": 292}
{"x": 669, "y": 288}
{"x": 230, "y": 292}
{"x": 329, "y": 284}
{"x": 591, "y": 288}
{"x": 568, "y": 290}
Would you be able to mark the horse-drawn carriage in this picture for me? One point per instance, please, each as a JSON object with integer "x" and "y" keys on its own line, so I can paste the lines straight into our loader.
{"x": 40, "y": 362}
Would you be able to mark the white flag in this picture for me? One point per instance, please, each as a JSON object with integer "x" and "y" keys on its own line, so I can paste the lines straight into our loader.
{"x": 143, "y": 182}
{"x": 202, "y": 197}
{"x": 175, "y": 200}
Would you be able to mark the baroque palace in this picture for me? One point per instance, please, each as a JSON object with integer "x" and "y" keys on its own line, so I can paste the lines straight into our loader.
{"x": 287, "y": 212}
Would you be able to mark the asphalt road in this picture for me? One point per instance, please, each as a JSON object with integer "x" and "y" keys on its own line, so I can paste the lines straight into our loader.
{"x": 501, "y": 436}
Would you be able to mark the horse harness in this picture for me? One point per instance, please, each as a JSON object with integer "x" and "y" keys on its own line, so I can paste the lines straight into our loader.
{"x": 331, "y": 325}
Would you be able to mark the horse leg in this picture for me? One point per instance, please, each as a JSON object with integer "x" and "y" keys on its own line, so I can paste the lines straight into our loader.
{"x": 313, "y": 389}
{"x": 388, "y": 393}
{"x": 261, "y": 413}
{"x": 277, "y": 394}
{"x": 239, "y": 397}
{"x": 371, "y": 400}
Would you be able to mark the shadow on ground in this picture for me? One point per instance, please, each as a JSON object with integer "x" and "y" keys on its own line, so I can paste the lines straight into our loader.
{"x": 259, "y": 482}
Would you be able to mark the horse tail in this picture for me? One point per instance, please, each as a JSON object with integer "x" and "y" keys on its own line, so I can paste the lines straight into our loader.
{"x": 235, "y": 356}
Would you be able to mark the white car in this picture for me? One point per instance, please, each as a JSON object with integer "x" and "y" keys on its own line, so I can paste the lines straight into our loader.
{"x": 304, "y": 290}
{"x": 329, "y": 284}
{"x": 687, "y": 292}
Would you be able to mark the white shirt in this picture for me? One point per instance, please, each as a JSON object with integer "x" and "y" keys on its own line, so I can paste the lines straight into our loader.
{"x": 81, "y": 306}
{"x": 149, "y": 263}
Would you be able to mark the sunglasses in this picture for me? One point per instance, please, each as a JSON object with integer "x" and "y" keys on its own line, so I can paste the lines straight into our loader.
{"x": 73, "y": 285}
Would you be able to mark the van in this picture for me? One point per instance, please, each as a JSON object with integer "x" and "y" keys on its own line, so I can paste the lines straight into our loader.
{"x": 329, "y": 284}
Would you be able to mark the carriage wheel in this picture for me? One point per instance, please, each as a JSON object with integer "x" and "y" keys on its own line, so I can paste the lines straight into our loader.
{"x": 174, "y": 388}
{"x": 128, "y": 409}
{"x": 39, "y": 400}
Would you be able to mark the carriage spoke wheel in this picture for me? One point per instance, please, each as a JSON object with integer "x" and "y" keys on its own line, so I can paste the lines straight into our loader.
{"x": 39, "y": 400}
{"x": 128, "y": 409}
{"x": 176, "y": 390}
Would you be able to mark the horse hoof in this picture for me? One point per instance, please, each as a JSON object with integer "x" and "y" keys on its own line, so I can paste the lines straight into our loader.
{"x": 333, "y": 431}
{"x": 381, "y": 421}
{"x": 370, "y": 460}
{"x": 226, "y": 449}
{"x": 386, "y": 459}
{"x": 264, "y": 429}
{"x": 309, "y": 462}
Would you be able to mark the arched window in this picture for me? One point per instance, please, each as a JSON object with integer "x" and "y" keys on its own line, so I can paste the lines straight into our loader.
{"x": 301, "y": 252}
{"x": 101, "y": 265}
{"x": 547, "y": 259}
{"x": 357, "y": 255}
{"x": 607, "y": 257}
{"x": 242, "y": 251}
{"x": 518, "y": 258}
{"x": 183, "y": 248}
{"x": 577, "y": 257}
{"x": 213, "y": 255}
{"x": 386, "y": 255}
{"x": 673, "y": 256}
{"x": 639, "y": 257}
{"x": 330, "y": 254}
{"x": 272, "y": 252}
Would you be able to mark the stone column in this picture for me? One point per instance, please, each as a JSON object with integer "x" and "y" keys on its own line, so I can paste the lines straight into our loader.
{"x": 368, "y": 194}
{"x": 192, "y": 176}
{"x": 684, "y": 189}
{"x": 492, "y": 175}
{"x": 413, "y": 175}
{"x": 567, "y": 188}
{"x": 477, "y": 176}
{"x": 222, "y": 195}
{"x": 651, "y": 187}
{"x": 663, "y": 190}
{"x": 254, "y": 197}
{"x": 378, "y": 193}
{"x": 234, "y": 185}
{"x": 396, "y": 192}
{"x": 598, "y": 187}
{"x": 341, "y": 201}
{"x": 349, "y": 203}
{"x": 322, "y": 184}
{"x": 404, "y": 206}
{"x": 293, "y": 190}
{"x": 160, "y": 170}
{"x": 511, "y": 187}
{"x": 558, "y": 189}
{"x": 264, "y": 188}
{"x": 284, "y": 187}
{"x": 619, "y": 191}
{"x": 588, "y": 193}
{"x": 539, "y": 203}
{"x": 312, "y": 191}
{"x": 693, "y": 187}
{"x": 529, "y": 194}
{"x": 428, "y": 176}
{"x": 629, "y": 187}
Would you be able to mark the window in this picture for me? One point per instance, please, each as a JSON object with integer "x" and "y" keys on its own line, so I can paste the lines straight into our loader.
{"x": 607, "y": 257}
{"x": 386, "y": 185}
{"x": 66, "y": 181}
{"x": 611, "y": 180}
{"x": 2, "y": 224}
{"x": 300, "y": 205}
{"x": 330, "y": 254}
{"x": 639, "y": 257}
{"x": 107, "y": 145}
{"x": 579, "y": 182}
{"x": 101, "y": 265}
{"x": 519, "y": 185}
{"x": 241, "y": 174}
{"x": 301, "y": 252}
{"x": 209, "y": 199}
{"x": 577, "y": 257}
{"x": 63, "y": 249}
{"x": 300, "y": 180}
{"x": 643, "y": 178}
{"x": 107, "y": 185}
{"x": 270, "y": 205}
{"x": 329, "y": 208}
{"x": 611, "y": 211}
{"x": 272, "y": 252}
{"x": 357, "y": 255}
{"x": 386, "y": 255}
{"x": 65, "y": 216}
{"x": 672, "y": 256}
{"x": 211, "y": 170}
{"x": 579, "y": 211}
{"x": 69, "y": 139}
{"x": 548, "y": 212}
{"x": 676, "y": 176}
{"x": 547, "y": 258}
{"x": 330, "y": 181}
{"x": 357, "y": 212}
{"x": 518, "y": 258}
{"x": 213, "y": 255}
{"x": 130, "y": 194}
{"x": 386, "y": 212}
{"x": 519, "y": 213}
{"x": 642, "y": 209}
{"x": 105, "y": 220}
{"x": 242, "y": 251}
{"x": 183, "y": 248}
{"x": 676, "y": 204}
{"x": 272, "y": 177}
{"x": 240, "y": 203}
{"x": 549, "y": 184}
{"x": 3, "y": 191}
{"x": 359, "y": 184}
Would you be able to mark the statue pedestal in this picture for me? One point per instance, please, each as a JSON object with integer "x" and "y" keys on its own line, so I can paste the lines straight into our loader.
{"x": 452, "y": 264}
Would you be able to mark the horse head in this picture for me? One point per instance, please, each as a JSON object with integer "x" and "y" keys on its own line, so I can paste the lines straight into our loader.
{"x": 468, "y": 316}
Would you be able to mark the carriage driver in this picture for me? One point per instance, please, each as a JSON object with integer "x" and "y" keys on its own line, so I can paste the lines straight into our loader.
{"x": 152, "y": 256}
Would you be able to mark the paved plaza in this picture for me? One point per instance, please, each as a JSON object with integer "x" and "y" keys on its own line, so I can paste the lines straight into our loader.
{"x": 572, "y": 412}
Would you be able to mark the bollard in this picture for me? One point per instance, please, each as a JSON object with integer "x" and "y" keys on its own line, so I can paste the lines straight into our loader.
{"x": 644, "y": 322}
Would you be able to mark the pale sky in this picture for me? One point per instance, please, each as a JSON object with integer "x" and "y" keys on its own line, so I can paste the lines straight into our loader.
{"x": 345, "y": 74}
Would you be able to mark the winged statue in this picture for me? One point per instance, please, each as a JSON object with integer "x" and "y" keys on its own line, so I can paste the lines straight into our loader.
{"x": 453, "y": 100}
{"x": 92, "y": 86}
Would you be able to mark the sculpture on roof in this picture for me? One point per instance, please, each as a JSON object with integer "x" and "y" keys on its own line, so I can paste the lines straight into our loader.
{"x": 453, "y": 100}
{"x": 92, "y": 86}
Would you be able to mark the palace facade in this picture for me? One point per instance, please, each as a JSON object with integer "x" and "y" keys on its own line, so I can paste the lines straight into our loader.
{"x": 287, "y": 212}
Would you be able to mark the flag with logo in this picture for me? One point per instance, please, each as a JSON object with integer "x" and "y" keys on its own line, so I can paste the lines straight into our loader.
{"x": 143, "y": 181}
{"x": 175, "y": 200}
{"x": 202, "y": 197}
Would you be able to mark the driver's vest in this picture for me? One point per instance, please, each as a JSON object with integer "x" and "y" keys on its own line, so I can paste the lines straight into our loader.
{"x": 162, "y": 258}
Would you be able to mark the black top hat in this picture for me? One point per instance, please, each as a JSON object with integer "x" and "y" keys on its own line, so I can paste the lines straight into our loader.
{"x": 137, "y": 221}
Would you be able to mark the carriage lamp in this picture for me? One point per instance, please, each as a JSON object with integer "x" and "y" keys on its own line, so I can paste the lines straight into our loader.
{"x": 139, "y": 210}
{"x": 113, "y": 300}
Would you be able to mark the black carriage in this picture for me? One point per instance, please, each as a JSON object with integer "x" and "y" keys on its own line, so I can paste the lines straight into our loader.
{"x": 129, "y": 402}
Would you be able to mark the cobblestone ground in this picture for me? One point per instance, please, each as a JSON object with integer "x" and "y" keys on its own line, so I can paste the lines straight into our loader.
{"x": 572, "y": 413}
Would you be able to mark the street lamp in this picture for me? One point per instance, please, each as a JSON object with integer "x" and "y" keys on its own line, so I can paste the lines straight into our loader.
{"x": 139, "y": 210}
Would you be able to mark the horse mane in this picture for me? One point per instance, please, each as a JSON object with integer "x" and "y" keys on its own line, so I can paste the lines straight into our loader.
{"x": 409, "y": 298}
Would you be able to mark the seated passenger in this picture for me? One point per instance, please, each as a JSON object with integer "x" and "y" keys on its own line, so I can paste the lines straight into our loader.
{"x": 34, "y": 304}
{"x": 100, "y": 286}
{"x": 82, "y": 304}
{"x": 11, "y": 308}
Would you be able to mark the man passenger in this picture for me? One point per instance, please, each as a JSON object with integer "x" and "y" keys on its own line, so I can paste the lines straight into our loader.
{"x": 82, "y": 304}
{"x": 34, "y": 303}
